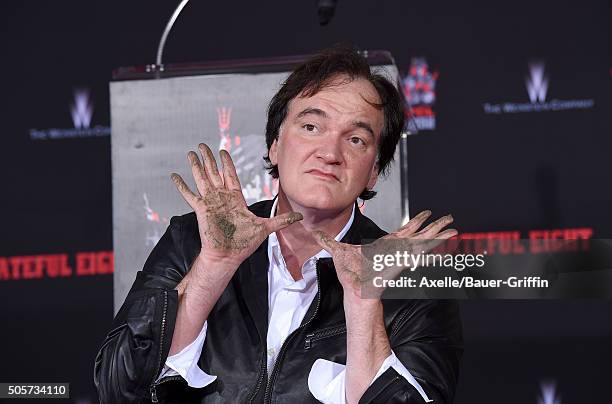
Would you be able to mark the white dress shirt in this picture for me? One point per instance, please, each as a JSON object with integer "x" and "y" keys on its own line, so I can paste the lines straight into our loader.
{"x": 288, "y": 301}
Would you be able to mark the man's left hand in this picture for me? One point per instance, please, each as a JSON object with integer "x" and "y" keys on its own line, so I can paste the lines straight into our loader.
{"x": 349, "y": 259}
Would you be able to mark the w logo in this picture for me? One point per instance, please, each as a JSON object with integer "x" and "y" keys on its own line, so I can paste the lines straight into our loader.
{"x": 548, "y": 394}
{"x": 537, "y": 83}
{"x": 82, "y": 109}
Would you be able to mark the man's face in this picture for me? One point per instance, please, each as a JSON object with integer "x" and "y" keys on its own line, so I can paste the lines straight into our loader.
{"x": 327, "y": 146}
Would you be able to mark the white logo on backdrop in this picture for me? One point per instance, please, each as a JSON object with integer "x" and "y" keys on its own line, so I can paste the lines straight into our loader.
{"x": 81, "y": 111}
{"x": 82, "y": 108}
{"x": 548, "y": 394}
{"x": 537, "y": 88}
{"x": 537, "y": 82}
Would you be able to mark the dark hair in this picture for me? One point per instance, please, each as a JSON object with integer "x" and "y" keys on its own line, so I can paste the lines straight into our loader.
{"x": 317, "y": 73}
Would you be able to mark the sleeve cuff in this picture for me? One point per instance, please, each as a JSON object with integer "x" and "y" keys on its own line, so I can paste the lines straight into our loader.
{"x": 185, "y": 364}
{"x": 326, "y": 380}
{"x": 393, "y": 362}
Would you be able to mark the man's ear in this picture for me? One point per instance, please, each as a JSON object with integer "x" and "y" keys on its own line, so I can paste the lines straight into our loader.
{"x": 373, "y": 177}
{"x": 273, "y": 152}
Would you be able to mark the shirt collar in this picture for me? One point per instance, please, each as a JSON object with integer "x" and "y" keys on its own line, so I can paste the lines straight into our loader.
{"x": 273, "y": 240}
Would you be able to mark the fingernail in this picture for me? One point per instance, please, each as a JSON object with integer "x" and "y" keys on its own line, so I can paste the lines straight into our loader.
{"x": 204, "y": 149}
{"x": 192, "y": 157}
{"x": 320, "y": 235}
{"x": 294, "y": 217}
{"x": 424, "y": 213}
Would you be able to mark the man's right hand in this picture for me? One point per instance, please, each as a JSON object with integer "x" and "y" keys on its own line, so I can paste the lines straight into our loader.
{"x": 228, "y": 230}
{"x": 229, "y": 233}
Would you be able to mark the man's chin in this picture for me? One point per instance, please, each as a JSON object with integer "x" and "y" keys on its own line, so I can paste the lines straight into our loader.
{"x": 323, "y": 200}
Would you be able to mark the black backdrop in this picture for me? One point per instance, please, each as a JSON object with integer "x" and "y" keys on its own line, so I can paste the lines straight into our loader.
{"x": 494, "y": 172}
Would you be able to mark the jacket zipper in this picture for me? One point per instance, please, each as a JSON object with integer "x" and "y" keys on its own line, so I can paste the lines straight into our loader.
{"x": 331, "y": 332}
{"x": 281, "y": 353}
{"x": 259, "y": 379}
{"x": 399, "y": 323}
{"x": 161, "y": 348}
{"x": 153, "y": 389}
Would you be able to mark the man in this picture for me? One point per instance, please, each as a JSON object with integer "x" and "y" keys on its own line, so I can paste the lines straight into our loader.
{"x": 261, "y": 304}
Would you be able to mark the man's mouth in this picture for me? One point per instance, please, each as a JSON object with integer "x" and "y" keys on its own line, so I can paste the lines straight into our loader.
{"x": 323, "y": 174}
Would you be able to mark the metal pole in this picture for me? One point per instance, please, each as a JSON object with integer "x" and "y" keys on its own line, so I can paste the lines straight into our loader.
{"x": 162, "y": 41}
{"x": 403, "y": 144}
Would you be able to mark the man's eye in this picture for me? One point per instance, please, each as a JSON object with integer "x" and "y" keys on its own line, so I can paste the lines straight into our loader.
{"x": 357, "y": 140}
{"x": 309, "y": 127}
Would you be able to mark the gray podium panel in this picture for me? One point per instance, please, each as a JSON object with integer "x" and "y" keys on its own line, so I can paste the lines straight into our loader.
{"x": 156, "y": 122}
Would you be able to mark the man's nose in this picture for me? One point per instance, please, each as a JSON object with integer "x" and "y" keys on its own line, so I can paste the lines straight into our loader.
{"x": 329, "y": 150}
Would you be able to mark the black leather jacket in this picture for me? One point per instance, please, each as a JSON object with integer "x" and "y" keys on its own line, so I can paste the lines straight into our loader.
{"x": 424, "y": 334}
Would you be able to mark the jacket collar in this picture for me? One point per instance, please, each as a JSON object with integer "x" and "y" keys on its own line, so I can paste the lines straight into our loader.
{"x": 254, "y": 280}
{"x": 362, "y": 230}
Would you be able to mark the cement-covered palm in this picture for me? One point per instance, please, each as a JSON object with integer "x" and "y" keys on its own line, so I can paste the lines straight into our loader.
{"x": 355, "y": 270}
{"x": 229, "y": 232}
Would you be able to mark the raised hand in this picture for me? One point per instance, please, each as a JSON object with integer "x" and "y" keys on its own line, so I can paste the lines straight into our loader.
{"x": 349, "y": 259}
{"x": 228, "y": 230}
